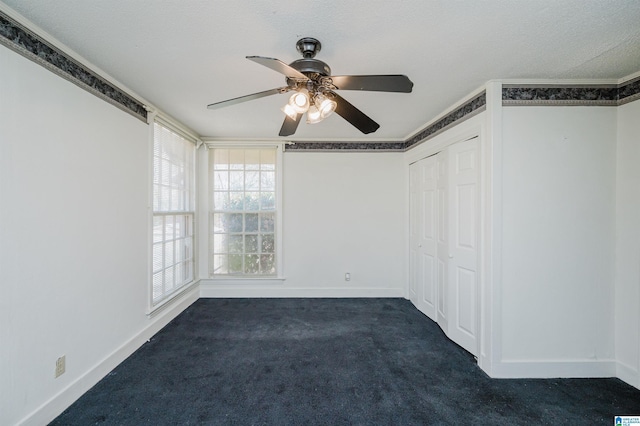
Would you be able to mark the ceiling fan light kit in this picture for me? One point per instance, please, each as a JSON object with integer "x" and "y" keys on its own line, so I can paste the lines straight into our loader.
{"x": 313, "y": 115}
{"x": 290, "y": 111}
{"x": 300, "y": 101}
{"x": 325, "y": 105}
{"x": 315, "y": 87}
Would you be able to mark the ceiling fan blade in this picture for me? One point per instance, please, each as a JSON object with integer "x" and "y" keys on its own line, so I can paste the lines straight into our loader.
{"x": 279, "y": 66}
{"x": 378, "y": 83}
{"x": 353, "y": 115}
{"x": 290, "y": 125}
{"x": 245, "y": 98}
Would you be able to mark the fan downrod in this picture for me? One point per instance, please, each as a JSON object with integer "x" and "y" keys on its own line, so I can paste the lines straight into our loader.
{"x": 308, "y": 47}
{"x": 308, "y": 65}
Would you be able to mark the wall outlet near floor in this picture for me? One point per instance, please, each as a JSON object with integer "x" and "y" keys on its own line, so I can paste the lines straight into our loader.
{"x": 347, "y": 276}
{"x": 60, "y": 366}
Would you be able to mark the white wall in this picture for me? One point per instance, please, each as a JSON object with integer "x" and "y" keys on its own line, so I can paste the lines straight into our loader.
{"x": 559, "y": 169}
{"x": 627, "y": 290}
{"x": 73, "y": 239}
{"x": 343, "y": 212}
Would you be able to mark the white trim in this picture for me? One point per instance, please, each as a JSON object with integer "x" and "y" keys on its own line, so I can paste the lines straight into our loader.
{"x": 222, "y": 280}
{"x": 62, "y": 400}
{"x": 202, "y": 215}
{"x": 465, "y": 130}
{"x": 344, "y": 151}
{"x": 166, "y": 121}
{"x": 407, "y": 231}
{"x": 545, "y": 82}
{"x": 211, "y": 139}
{"x": 150, "y": 160}
{"x": 491, "y": 346}
{"x": 547, "y": 369}
{"x": 173, "y": 299}
{"x": 569, "y": 82}
{"x": 628, "y": 374}
{"x": 629, "y": 77}
{"x": 240, "y": 144}
{"x": 210, "y": 289}
{"x": 280, "y": 211}
{"x": 446, "y": 112}
{"x": 196, "y": 213}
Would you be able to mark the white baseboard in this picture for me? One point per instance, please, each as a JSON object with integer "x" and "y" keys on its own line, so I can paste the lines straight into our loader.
{"x": 548, "y": 369}
{"x": 628, "y": 374}
{"x": 216, "y": 290}
{"x": 56, "y": 405}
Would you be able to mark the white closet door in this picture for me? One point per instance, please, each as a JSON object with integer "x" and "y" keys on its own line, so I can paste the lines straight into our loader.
{"x": 414, "y": 214}
{"x": 463, "y": 244}
{"x": 442, "y": 241}
{"x": 423, "y": 235}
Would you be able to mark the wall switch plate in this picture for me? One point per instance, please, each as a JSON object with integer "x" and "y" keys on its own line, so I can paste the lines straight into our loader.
{"x": 60, "y": 366}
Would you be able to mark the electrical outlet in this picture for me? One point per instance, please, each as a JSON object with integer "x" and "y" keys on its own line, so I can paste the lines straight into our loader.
{"x": 60, "y": 366}
{"x": 347, "y": 276}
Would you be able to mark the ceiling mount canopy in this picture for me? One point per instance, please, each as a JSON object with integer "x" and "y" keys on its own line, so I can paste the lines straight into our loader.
{"x": 308, "y": 47}
{"x": 315, "y": 88}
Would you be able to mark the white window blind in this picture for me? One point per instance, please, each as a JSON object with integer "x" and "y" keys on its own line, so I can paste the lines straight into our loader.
{"x": 243, "y": 213}
{"x": 173, "y": 213}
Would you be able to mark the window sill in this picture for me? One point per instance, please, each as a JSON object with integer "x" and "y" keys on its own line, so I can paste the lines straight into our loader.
{"x": 173, "y": 299}
{"x": 240, "y": 280}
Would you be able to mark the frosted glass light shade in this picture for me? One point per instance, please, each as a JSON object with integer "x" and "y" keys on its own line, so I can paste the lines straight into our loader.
{"x": 313, "y": 115}
{"x": 290, "y": 111}
{"x": 299, "y": 101}
{"x": 325, "y": 105}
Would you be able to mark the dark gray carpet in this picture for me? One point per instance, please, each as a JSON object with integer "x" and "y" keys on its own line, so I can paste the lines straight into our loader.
{"x": 329, "y": 362}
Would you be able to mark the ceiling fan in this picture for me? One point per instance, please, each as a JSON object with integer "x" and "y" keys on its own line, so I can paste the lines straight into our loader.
{"x": 315, "y": 88}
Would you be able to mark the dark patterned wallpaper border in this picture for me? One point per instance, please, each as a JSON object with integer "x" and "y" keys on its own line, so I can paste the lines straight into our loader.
{"x": 344, "y": 146}
{"x": 629, "y": 91}
{"x": 30, "y": 45}
{"x": 594, "y": 95}
{"x": 467, "y": 110}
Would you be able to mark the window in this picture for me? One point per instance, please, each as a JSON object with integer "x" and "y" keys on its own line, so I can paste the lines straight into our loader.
{"x": 244, "y": 212}
{"x": 173, "y": 213}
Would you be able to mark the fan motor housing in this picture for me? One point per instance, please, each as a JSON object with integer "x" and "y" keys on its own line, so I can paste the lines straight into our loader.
{"x": 308, "y": 65}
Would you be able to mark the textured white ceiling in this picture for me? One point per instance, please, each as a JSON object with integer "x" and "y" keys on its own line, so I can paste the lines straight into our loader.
{"x": 183, "y": 55}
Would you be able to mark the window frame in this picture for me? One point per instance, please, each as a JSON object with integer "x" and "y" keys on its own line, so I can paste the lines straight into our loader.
{"x": 168, "y": 297}
{"x": 208, "y": 211}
